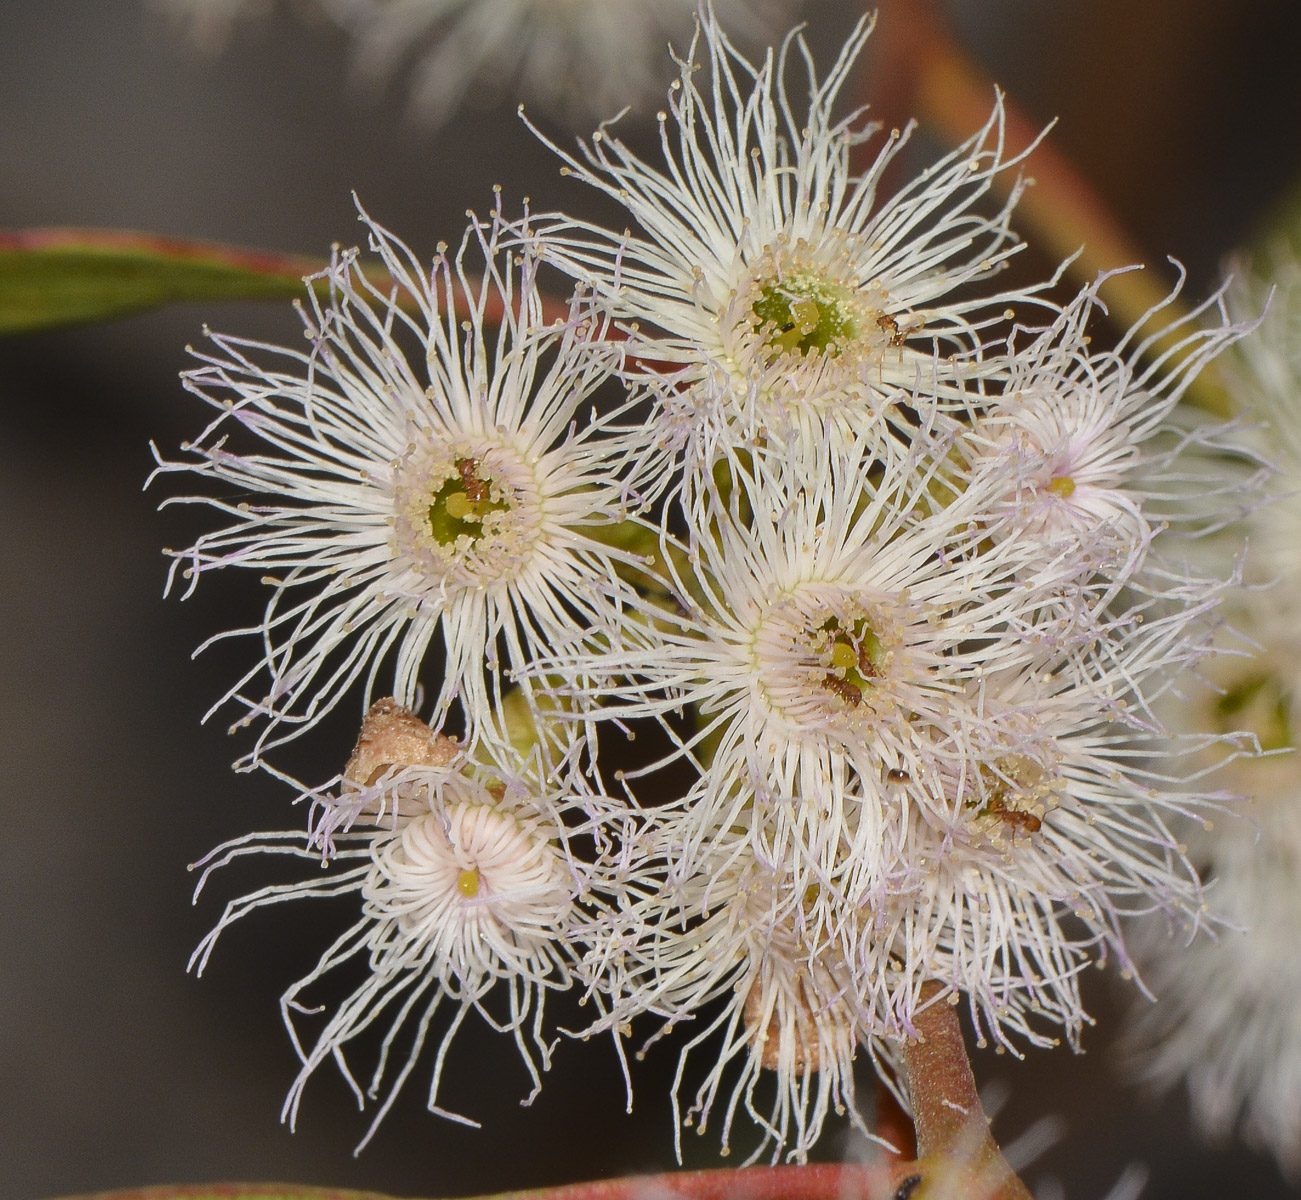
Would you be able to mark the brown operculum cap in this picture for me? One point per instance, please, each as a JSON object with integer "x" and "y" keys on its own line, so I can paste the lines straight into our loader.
{"x": 806, "y": 1055}
{"x": 393, "y": 736}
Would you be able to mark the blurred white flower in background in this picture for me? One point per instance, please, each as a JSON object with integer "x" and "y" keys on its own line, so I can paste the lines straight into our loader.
{"x": 208, "y": 23}
{"x": 585, "y": 59}
{"x": 581, "y": 60}
{"x": 1228, "y": 1015}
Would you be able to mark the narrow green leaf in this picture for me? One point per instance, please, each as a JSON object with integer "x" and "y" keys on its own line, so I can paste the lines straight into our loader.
{"x": 57, "y": 277}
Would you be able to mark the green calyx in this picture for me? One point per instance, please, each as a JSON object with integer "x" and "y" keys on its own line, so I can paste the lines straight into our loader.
{"x": 803, "y": 316}
{"x": 1261, "y": 704}
{"x": 461, "y": 503}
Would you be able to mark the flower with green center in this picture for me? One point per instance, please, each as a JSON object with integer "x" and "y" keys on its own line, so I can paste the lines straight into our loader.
{"x": 826, "y": 640}
{"x": 388, "y": 498}
{"x": 780, "y": 290}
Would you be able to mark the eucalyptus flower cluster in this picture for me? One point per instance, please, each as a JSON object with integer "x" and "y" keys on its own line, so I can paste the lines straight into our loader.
{"x": 871, "y": 542}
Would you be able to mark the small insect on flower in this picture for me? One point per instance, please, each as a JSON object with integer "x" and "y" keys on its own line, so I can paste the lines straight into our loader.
{"x": 415, "y": 475}
{"x": 774, "y": 284}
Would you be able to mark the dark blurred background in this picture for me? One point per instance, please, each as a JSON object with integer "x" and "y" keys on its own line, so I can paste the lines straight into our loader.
{"x": 116, "y": 1068}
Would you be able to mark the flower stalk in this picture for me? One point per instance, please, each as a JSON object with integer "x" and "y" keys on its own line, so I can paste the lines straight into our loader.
{"x": 957, "y": 1156}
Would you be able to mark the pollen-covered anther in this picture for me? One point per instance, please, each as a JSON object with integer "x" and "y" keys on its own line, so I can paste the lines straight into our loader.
{"x": 1062, "y": 486}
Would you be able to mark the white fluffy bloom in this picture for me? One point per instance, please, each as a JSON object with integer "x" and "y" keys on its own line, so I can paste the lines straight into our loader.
{"x": 897, "y": 713}
{"x": 911, "y": 629}
{"x": 1227, "y": 1021}
{"x": 788, "y": 1018}
{"x": 770, "y": 279}
{"x": 588, "y": 57}
{"x": 469, "y": 896}
{"x": 408, "y": 477}
{"x": 833, "y": 619}
{"x": 1087, "y": 443}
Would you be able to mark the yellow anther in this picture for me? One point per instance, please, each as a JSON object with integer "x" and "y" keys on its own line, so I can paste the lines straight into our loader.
{"x": 1062, "y": 485}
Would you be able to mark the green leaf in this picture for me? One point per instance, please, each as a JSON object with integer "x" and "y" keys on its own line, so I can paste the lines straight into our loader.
{"x": 56, "y": 277}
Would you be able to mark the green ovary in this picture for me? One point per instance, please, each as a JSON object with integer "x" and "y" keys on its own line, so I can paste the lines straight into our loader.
{"x": 802, "y": 315}
{"x": 460, "y": 505}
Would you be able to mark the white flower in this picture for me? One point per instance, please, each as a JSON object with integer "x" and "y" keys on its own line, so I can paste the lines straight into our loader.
{"x": 470, "y": 900}
{"x": 896, "y": 711}
{"x": 766, "y": 954}
{"x": 769, "y": 277}
{"x": 408, "y": 477}
{"x": 1227, "y": 1021}
{"x": 1087, "y": 442}
{"x": 588, "y": 57}
{"x": 828, "y": 639}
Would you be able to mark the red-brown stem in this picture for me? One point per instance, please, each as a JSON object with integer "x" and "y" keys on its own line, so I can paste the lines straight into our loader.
{"x": 819, "y": 1181}
{"x": 918, "y": 69}
{"x": 955, "y": 1147}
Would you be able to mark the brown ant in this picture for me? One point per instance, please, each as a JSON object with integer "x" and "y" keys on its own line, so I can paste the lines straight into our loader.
{"x": 1012, "y": 816}
{"x": 888, "y": 325}
{"x": 476, "y": 490}
{"x": 842, "y": 688}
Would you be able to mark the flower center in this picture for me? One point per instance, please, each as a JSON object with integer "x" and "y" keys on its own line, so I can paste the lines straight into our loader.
{"x": 1260, "y": 703}
{"x": 465, "y": 514}
{"x": 460, "y": 506}
{"x": 1062, "y": 485}
{"x": 824, "y": 661}
{"x": 854, "y": 658}
{"x": 803, "y": 314}
{"x": 467, "y": 883}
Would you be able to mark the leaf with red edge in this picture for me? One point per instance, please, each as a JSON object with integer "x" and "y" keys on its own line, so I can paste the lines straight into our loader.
{"x": 56, "y": 277}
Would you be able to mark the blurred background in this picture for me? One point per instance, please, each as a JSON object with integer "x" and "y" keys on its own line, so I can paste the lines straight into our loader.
{"x": 116, "y": 1068}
